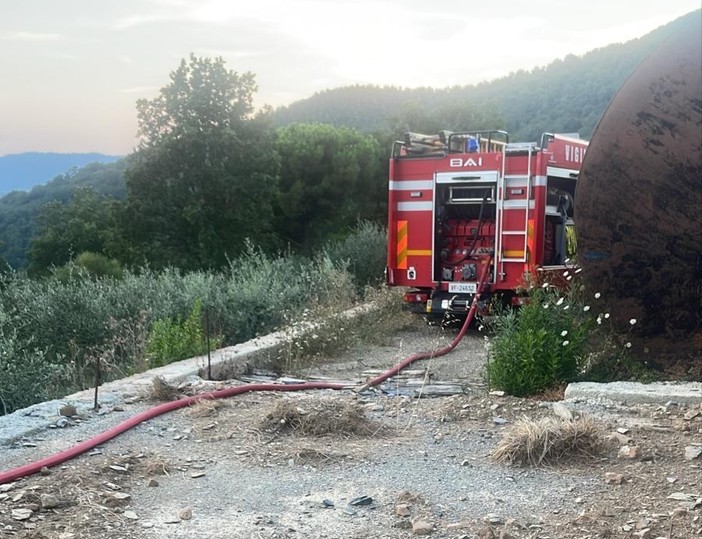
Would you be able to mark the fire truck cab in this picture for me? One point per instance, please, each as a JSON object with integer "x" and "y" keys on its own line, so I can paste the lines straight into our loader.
{"x": 460, "y": 201}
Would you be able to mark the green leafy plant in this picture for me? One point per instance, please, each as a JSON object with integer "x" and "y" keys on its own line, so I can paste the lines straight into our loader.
{"x": 541, "y": 345}
{"x": 173, "y": 339}
{"x": 364, "y": 251}
{"x": 88, "y": 265}
{"x": 149, "y": 318}
{"x": 99, "y": 265}
{"x": 610, "y": 359}
{"x": 26, "y": 373}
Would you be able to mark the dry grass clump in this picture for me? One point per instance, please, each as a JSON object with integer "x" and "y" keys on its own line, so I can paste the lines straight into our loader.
{"x": 317, "y": 417}
{"x": 203, "y": 408}
{"x": 547, "y": 440}
{"x": 162, "y": 390}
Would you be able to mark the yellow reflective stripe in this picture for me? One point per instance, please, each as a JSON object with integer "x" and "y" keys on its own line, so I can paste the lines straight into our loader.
{"x": 419, "y": 252}
{"x": 402, "y": 244}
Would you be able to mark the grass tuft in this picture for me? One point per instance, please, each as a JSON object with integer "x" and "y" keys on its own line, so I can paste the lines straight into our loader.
{"x": 319, "y": 417}
{"x": 162, "y": 391}
{"x": 549, "y": 440}
{"x": 203, "y": 408}
{"x": 324, "y": 332}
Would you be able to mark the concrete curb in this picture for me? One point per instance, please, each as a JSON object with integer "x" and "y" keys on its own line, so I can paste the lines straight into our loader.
{"x": 689, "y": 393}
{"x": 225, "y": 363}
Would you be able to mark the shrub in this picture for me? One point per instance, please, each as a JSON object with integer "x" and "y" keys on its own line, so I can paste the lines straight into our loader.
{"x": 88, "y": 265}
{"x": 263, "y": 293}
{"x": 324, "y": 331}
{"x": 549, "y": 440}
{"x": 69, "y": 322}
{"x": 99, "y": 265}
{"x": 27, "y": 376}
{"x": 609, "y": 359}
{"x": 173, "y": 339}
{"x": 364, "y": 252}
{"x": 541, "y": 345}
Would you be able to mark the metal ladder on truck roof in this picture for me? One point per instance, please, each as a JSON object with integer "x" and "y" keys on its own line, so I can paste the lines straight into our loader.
{"x": 502, "y": 185}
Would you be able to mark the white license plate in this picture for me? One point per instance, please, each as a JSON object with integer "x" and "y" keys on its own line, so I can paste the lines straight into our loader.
{"x": 463, "y": 288}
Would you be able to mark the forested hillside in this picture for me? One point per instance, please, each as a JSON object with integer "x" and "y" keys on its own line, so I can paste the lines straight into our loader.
{"x": 568, "y": 95}
{"x": 23, "y": 171}
{"x": 193, "y": 197}
{"x": 19, "y": 210}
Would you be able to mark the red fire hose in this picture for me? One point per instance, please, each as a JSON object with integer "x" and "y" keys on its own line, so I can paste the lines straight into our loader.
{"x": 63, "y": 456}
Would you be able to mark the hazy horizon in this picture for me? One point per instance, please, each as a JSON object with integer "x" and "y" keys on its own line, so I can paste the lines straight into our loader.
{"x": 74, "y": 75}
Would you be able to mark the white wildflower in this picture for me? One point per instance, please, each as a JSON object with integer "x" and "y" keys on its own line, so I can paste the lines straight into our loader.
{"x": 566, "y": 307}
{"x": 597, "y": 295}
{"x": 586, "y": 308}
{"x": 566, "y": 343}
{"x": 628, "y": 345}
{"x": 564, "y": 333}
{"x": 606, "y": 315}
{"x": 560, "y": 300}
{"x": 632, "y": 321}
{"x": 545, "y": 285}
{"x": 566, "y": 273}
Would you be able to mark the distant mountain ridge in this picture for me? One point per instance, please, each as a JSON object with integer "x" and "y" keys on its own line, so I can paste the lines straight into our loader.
{"x": 22, "y": 171}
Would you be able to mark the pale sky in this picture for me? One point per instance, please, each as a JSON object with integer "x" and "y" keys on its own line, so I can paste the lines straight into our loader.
{"x": 72, "y": 70}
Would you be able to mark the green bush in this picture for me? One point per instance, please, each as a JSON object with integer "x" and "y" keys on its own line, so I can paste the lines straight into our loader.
{"x": 541, "y": 345}
{"x": 364, "y": 252}
{"x": 98, "y": 265}
{"x": 173, "y": 339}
{"x": 76, "y": 321}
{"x": 88, "y": 265}
{"x": 27, "y": 376}
{"x": 263, "y": 293}
{"x": 609, "y": 359}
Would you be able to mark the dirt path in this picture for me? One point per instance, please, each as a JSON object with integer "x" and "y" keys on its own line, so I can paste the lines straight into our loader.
{"x": 235, "y": 471}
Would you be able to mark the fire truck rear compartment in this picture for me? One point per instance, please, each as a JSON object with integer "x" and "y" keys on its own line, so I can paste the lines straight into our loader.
{"x": 464, "y": 234}
{"x": 465, "y": 229}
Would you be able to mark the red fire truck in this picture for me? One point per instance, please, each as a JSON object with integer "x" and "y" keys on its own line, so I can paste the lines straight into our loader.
{"x": 461, "y": 203}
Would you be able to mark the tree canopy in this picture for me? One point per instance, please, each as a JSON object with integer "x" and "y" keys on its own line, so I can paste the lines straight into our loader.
{"x": 330, "y": 177}
{"x": 65, "y": 230}
{"x": 203, "y": 97}
{"x": 203, "y": 180}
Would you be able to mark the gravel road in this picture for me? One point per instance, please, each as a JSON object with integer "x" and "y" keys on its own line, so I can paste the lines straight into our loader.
{"x": 227, "y": 471}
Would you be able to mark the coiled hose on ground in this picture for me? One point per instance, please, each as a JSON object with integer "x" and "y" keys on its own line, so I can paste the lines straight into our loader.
{"x": 72, "y": 452}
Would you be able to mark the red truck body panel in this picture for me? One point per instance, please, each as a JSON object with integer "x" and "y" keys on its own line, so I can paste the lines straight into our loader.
{"x": 501, "y": 203}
